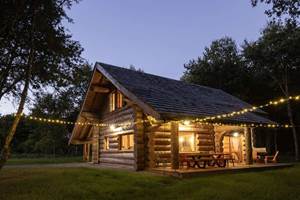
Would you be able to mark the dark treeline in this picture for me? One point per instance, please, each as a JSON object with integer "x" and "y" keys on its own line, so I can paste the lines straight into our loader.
{"x": 35, "y": 138}
{"x": 260, "y": 71}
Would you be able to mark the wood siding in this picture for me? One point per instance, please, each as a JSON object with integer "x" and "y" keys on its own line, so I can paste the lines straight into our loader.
{"x": 159, "y": 142}
{"x": 114, "y": 156}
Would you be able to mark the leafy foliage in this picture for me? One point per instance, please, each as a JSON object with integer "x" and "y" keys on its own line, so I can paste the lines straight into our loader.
{"x": 280, "y": 8}
{"x": 221, "y": 67}
{"x": 32, "y": 34}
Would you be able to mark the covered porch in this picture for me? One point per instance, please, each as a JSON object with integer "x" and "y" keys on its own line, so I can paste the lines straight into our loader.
{"x": 187, "y": 148}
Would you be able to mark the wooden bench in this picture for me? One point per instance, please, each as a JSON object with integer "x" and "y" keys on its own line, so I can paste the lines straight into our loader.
{"x": 271, "y": 159}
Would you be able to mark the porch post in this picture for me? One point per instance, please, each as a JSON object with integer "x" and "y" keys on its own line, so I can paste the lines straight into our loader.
{"x": 139, "y": 141}
{"x": 84, "y": 152}
{"x": 174, "y": 146}
{"x": 248, "y": 143}
{"x": 95, "y": 147}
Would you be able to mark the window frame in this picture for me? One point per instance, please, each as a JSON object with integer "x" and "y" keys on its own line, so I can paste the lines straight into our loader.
{"x": 195, "y": 145}
{"x": 106, "y": 143}
{"x": 116, "y": 101}
{"x": 128, "y": 139}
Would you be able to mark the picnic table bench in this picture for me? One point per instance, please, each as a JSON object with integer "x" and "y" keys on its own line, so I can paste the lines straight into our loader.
{"x": 202, "y": 160}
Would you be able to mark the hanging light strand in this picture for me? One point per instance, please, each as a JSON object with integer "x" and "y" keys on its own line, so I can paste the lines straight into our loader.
{"x": 197, "y": 120}
{"x": 247, "y": 110}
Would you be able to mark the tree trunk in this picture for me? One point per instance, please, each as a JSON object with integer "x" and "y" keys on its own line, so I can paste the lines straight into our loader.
{"x": 6, "y": 147}
{"x": 295, "y": 136}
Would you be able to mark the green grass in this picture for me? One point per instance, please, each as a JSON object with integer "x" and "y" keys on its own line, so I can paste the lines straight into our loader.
{"x": 43, "y": 160}
{"x": 83, "y": 183}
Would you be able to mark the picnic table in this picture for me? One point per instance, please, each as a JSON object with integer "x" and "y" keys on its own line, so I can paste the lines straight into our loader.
{"x": 201, "y": 160}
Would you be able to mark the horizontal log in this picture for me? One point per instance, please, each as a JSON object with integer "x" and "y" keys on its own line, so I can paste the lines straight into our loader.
{"x": 162, "y": 155}
{"x": 205, "y": 143}
{"x": 193, "y": 129}
{"x": 201, "y": 136}
{"x": 206, "y": 148}
{"x": 162, "y": 141}
{"x": 160, "y": 129}
{"x": 162, "y": 148}
{"x": 99, "y": 89}
{"x": 162, "y": 134}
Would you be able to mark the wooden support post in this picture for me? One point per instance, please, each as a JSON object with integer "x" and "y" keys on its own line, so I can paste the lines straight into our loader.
{"x": 139, "y": 140}
{"x": 84, "y": 152}
{"x": 174, "y": 145}
{"x": 151, "y": 151}
{"x": 248, "y": 143}
{"x": 88, "y": 152}
{"x": 95, "y": 148}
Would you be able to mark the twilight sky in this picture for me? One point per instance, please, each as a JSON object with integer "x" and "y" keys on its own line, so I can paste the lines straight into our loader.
{"x": 157, "y": 36}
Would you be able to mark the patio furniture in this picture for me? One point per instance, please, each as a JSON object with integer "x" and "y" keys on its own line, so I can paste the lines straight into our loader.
{"x": 271, "y": 159}
{"x": 229, "y": 158}
{"x": 185, "y": 159}
{"x": 259, "y": 154}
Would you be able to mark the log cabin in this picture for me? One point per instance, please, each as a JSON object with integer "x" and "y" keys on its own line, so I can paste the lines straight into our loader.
{"x": 142, "y": 122}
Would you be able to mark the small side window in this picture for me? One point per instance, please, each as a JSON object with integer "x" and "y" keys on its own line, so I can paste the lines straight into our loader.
{"x": 106, "y": 143}
{"x": 126, "y": 142}
{"x": 112, "y": 101}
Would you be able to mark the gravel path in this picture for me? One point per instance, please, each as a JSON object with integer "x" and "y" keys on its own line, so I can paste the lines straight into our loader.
{"x": 59, "y": 165}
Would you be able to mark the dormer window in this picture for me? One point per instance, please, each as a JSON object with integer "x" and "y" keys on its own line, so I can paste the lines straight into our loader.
{"x": 116, "y": 101}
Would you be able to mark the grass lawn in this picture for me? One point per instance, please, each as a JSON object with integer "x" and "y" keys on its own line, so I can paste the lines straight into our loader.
{"x": 84, "y": 183}
{"x": 43, "y": 160}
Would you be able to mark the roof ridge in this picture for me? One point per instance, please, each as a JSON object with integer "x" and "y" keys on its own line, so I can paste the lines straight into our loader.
{"x": 186, "y": 83}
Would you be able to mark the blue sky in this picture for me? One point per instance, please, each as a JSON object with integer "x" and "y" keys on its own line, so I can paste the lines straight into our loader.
{"x": 158, "y": 36}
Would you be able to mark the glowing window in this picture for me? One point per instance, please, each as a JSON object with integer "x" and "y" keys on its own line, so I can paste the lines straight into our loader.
{"x": 106, "y": 143}
{"x": 187, "y": 142}
{"x": 116, "y": 101}
{"x": 112, "y": 101}
{"x": 126, "y": 142}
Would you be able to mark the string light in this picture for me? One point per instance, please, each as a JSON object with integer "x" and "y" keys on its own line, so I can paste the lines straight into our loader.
{"x": 247, "y": 110}
{"x": 152, "y": 120}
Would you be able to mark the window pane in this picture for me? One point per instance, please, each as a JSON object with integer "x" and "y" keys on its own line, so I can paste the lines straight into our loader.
{"x": 187, "y": 142}
{"x": 127, "y": 142}
{"x": 106, "y": 143}
{"x": 112, "y": 101}
{"x": 120, "y": 100}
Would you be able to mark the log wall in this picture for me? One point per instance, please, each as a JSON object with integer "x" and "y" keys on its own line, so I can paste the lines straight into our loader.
{"x": 114, "y": 156}
{"x": 159, "y": 141}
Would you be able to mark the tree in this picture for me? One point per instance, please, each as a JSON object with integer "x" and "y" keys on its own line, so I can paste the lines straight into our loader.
{"x": 134, "y": 68}
{"x": 287, "y": 8}
{"x": 220, "y": 67}
{"x": 47, "y": 56}
{"x": 276, "y": 54}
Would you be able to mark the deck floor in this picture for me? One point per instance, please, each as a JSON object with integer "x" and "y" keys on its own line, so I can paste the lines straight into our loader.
{"x": 184, "y": 172}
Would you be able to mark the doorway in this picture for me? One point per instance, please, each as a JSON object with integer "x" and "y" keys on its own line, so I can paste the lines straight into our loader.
{"x": 233, "y": 145}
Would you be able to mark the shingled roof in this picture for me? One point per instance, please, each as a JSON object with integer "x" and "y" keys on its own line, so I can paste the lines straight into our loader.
{"x": 177, "y": 99}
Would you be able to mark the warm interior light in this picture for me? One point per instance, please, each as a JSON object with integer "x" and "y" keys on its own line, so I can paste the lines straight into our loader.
{"x": 236, "y": 134}
{"x": 112, "y": 127}
{"x": 186, "y": 122}
{"x": 181, "y": 139}
{"x": 191, "y": 139}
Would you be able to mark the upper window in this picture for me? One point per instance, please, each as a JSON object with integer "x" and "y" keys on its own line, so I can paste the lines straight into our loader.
{"x": 187, "y": 142}
{"x": 116, "y": 101}
{"x": 126, "y": 142}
